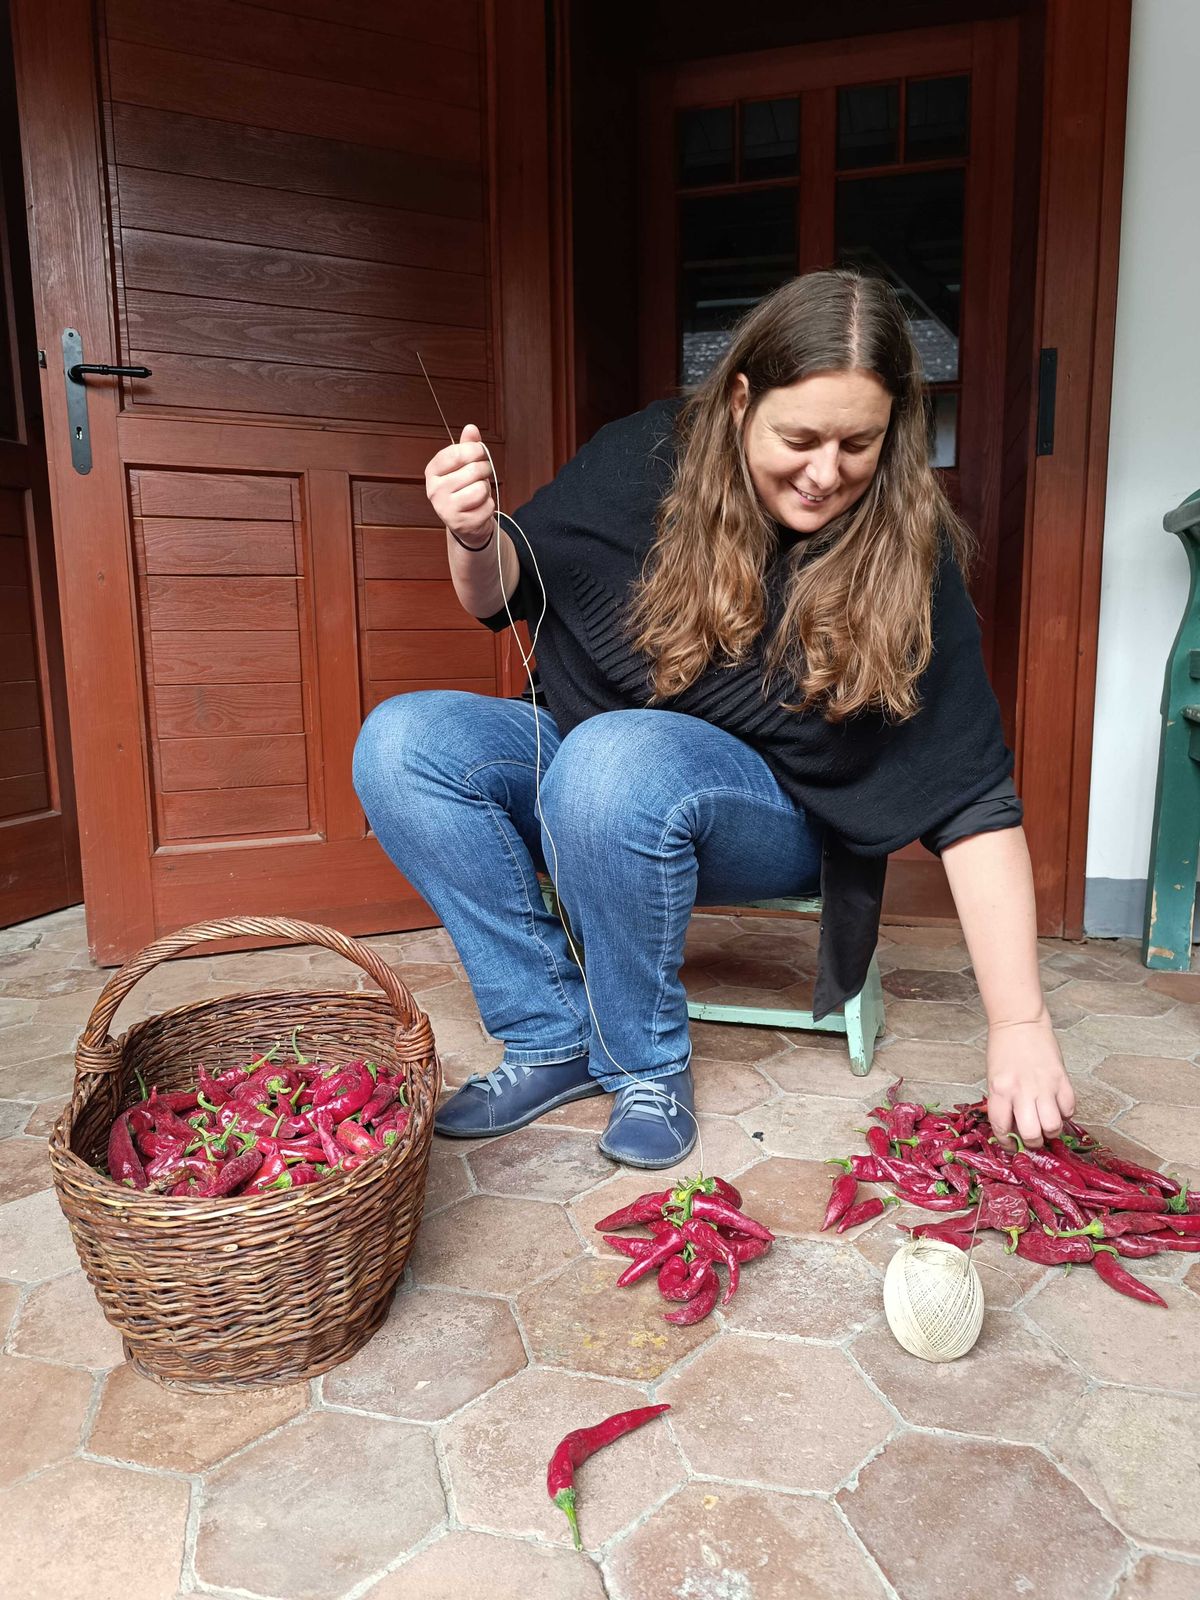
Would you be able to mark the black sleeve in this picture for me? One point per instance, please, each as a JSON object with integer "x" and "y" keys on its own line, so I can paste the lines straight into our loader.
{"x": 997, "y": 809}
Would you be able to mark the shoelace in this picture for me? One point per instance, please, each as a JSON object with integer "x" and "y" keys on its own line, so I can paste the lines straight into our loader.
{"x": 490, "y": 1081}
{"x": 647, "y": 1100}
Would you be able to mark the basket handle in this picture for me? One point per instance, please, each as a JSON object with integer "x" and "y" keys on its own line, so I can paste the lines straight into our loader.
{"x": 96, "y": 1052}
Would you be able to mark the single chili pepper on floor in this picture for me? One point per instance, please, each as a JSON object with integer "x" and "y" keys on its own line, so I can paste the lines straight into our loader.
{"x": 710, "y": 1208}
{"x": 654, "y": 1257}
{"x": 576, "y": 1448}
{"x": 1124, "y": 1282}
{"x": 841, "y": 1198}
{"x": 863, "y": 1212}
{"x": 124, "y": 1163}
{"x": 703, "y": 1298}
{"x": 892, "y": 1092}
{"x": 1050, "y": 1251}
{"x": 708, "y": 1241}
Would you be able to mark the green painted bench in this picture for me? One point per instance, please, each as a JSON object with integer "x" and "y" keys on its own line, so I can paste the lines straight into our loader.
{"x": 1175, "y": 839}
{"x": 860, "y": 1019}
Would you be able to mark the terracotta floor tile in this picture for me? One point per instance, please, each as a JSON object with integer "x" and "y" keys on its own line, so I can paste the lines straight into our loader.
{"x": 1119, "y": 1340}
{"x": 1192, "y": 1278}
{"x": 931, "y": 1019}
{"x": 451, "y": 1000}
{"x": 1012, "y": 1384}
{"x": 499, "y": 1569}
{"x": 284, "y": 1518}
{"x": 730, "y": 968}
{"x": 1085, "y": 962}
{"x": 45, "y": 1116}
{"x": 35, "y": 1242}
{"x": 493, "y": 1244}
{"x": 923, "y": 983}
{"x": 726, "y": 1087}
{"x": 95, "y": 1532}
{"x": 24, "y": 1168}
{"x": 538, "y": 1163}
{"x": 1115, "y": 1444}
{"x": 446, "y": 1178}
{"x": 62, "y": 1321}
{"x": 930, "y": 1061}
{"x": 917, "y": 1508}
{"x": 42, "y": 1409}
{"x": 1140, "y": 1036}
{"x": 582, "y": 1321}
{"x": 150, "y": 1425}
{"x": 436, "y": 1351}
{"x": 927, "y": 957}
{"x": 1096, "y": 1103}
{"x": 1064, "y": 1010}
{"x": 1171, "y": 1131}
{"x": 814, "y": 1070}
{"x": 805, "y": 1127}
{"x": 1005, "y": 1279}
{"x": 1079, "y": 1054}
{"x": 1183, "y": 986}
{"x": 464, "y": 1048}
{"x": 1157, "y": 1578}
{"x": 53, "y": 981}
{"x": 806, "y": 1287}
{"x": 38, "y": 1061}
{"x": 498, "y": 1448}
{"x": 14, "y": 1114}
{"x": 929, "y": 938}
{"x": 589, "y": 1116}
{"x": 733, "y": 1041}
{"x": 713, "y": 1541}
{"x": 790, "y": 1197}
{"x": 1109, "y": 999}
{"x": 1163, "y": 1079}
{"x": 16, "y": 1011}
{"x": 774, "y": 1412}
{"x": 10, "y": 1294}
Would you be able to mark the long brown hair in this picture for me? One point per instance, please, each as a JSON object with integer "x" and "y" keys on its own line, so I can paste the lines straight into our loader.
{"x": 855, "y": 631}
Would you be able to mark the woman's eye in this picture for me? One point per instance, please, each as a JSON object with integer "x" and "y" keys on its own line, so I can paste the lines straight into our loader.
{"x": 853, "y": 449}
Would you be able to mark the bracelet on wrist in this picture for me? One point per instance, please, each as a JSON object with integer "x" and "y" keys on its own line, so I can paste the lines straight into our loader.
{"x": 474, "y": 547}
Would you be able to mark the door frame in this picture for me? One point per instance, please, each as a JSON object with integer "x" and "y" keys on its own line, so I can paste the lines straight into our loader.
{"x": 1085, "y": 50}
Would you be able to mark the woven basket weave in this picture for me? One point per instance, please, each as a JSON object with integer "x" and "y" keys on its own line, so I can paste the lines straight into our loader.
{"x": 258, "y": 1289}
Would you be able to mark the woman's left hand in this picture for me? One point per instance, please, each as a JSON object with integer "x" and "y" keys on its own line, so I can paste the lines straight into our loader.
{"x": 1028, "y": 1085}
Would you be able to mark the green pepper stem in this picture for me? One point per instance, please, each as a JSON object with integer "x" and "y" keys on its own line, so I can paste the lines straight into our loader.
{"x": 141, "y": 1083}
{"x": 565, "y": 1501}
{"x": 296, "y": 1056}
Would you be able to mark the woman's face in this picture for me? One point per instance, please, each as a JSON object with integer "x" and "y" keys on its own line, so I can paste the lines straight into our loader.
{"x": 813, "y": 447}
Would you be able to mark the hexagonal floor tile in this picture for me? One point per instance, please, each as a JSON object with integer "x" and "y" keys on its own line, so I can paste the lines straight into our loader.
{"x": 497, "y": 1450}
{"x": 714, "y": 1541}
{"x": 282, "y": 1518}
{"x": 734, "y": 1041}
{"x": 1183, "y": 986}
{"x": 62, "y": 1321}
{"x": 1157, "y": 1578}
{"x": 41, "y": 1414}
{"x": 933, "y": 1020}
{"x": 1139, "y": 1036}
{"x": 1111, "y": 999}
{"x": 35, "y": 1242}
{"x": 1006, "y": 1279}
{"x": 923, "y": 983}
{"x": 1164, "y": 1079}
{"x": 774, "y": 1412}
{"x": 790, "y": 1197}
{"x": 493, "y": 1244}
{"x": 1120, "y": 1340}
{"x": 811, "y": 1069}
{"x": 932, "y": 1061}
{"x": 515, "y": 1570}
{"x": 726, "y": 1087}
{"x": 1012, "y": 1384}
{"x": 1172, "y": 1132}
{"x": 88, "y": 1529}
{"x": 805, "y": 1127}
{"x": 447, "y": 1179}
{"x": 1138, "y": 1455}
{"x": 153, "y": 1426}
{"x": 948, "y": 1517}
{"x": 806, "y": 1287}
{"x": 582, "y": 1321}
{"x": 436, "y": 1351}
{"x": 538, "y": 1163}
{"x": 10, "y": 1294}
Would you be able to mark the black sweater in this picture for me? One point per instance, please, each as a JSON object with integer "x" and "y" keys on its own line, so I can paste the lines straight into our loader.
{"x": 874, "y": 785}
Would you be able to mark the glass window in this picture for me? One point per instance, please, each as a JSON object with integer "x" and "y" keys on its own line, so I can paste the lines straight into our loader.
{"x": 705, "y": 137}
{"x": 734, "y": 249}
{"x": 909, "y": 230}
{"x": 935, "y": 118}
{"x": 943, "y": 428}
{"x": 868, "y": 132}
{"x": 770, "y": 138}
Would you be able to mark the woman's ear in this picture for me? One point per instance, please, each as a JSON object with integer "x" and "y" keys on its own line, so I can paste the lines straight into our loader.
{"x": 739, "y": 399}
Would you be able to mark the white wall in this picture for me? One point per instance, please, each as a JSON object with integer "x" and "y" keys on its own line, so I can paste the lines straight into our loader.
{"x": 1154, "y": 447}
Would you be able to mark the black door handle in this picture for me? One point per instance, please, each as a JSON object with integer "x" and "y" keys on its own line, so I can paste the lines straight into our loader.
{"x": 79, "y": 371}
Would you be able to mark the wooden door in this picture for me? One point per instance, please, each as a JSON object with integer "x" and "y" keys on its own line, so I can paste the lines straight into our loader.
{"x": 892, "y": 152}
{"x": 275, "y": 207}
{"x": 39, "y": 842}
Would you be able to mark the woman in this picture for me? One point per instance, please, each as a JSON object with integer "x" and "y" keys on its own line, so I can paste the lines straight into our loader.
{"x": 760, "y": 672}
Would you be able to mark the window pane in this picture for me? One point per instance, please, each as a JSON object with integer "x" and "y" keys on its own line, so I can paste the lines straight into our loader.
{"x": 936, "y": 118}
{"x": 909, "y": 230}
{"x": 868, "y": 125}
{"x": 770, "y": 138}
{"x": 705, "y": 145}
{"x": 943, "y": 428}
{"x": 734, "y": 249}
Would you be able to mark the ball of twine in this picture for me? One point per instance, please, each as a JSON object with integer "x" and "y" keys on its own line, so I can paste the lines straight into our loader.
{"x": 933, "y": 1299}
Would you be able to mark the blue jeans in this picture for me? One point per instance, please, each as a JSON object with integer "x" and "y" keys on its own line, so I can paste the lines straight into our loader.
{"x": 648, "y": 813}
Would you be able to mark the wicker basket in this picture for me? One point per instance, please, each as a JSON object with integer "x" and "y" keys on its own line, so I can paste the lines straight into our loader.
{"x": 258, "y": 1289}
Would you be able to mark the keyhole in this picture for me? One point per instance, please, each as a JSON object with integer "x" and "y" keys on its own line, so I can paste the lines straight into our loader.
{"x": 79, "y": 433}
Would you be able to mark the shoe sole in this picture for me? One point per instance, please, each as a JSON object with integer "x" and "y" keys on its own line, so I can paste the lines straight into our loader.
{"x": 644, "y": 1166}
{"x": 565, "y": 1099}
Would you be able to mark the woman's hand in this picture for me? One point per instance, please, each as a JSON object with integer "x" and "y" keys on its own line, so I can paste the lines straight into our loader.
{"x": 1028, "y": 1087}
{"x": 458, "y": 485}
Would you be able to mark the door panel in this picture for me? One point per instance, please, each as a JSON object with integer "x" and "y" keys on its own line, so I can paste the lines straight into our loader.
{"x": 299, "y": 200}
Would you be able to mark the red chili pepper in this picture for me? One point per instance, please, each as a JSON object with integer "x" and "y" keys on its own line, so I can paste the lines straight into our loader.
{"x": 1137, "y": 1174}
{"x": 1135, "y": 1244}
{"x": 646, "y": 1208}
{"x": 389, "y": 1129}
{"x": 1051, "y": 1250}
{"x": 346, "y": 1092}
{"x": 707, "y": 1241}
{"x": 1183, "y": 1224}
{"x": 713, "y": 1209}
{"x": 1042, "y": 1210}
{"x": 576, "y": 1448}
{"x": 654, "y": 1257}
{"x": 1173, "y": 1241}
{"x": 1055, "y": 1193}
{"x": 956, "y": 1177}
{"x": 878, "y": 1142}
{"x": 273, "y": 1167}
{"x": 1112, "y": 1224}
{"x": 634, "y": 1248}
{"x": 124, "y": 1163}
{"x": 840, "y": 1200}
{"x": 1133, "y": 1201}
{"x": 928, "y": 1201}
{"x": 961, "y": 1239}
{"x": 230, "y": 1175}
{"x": 746, "y": 1249}
{"x": 384, "y": 1096}
{"x": 212, "y": 1088}
{"x": 863, "y": 1212}
{"x": 684, "y": 1283}
{"x": 704, "y": 1298}
{"x": 302, "y": 1149}
{"x": 1115, "y": 1275}
{"x": 727, "y": 1192}
{"x": 357, "y": 1140}
{"x": 985, "y": 1163}
{"x": 1002, "y": 1206}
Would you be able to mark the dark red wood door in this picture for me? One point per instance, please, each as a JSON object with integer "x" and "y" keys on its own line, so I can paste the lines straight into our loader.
{"x": 276, "y": 208}
{"x": 39, "y": 843}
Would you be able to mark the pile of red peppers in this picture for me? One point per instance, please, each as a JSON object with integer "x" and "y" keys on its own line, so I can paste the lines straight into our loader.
{"x": 1074, "y": 1202}
{"x": 694, "y": 1229}
{"x": 257, "y": 1128}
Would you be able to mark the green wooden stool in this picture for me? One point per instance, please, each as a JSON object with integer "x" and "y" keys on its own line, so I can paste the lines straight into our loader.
{"x": 1171, "y": 884}
{"x": 860, "y": 1019}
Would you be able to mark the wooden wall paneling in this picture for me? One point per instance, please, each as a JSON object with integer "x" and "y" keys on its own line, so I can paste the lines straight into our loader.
{"x": 817, "y": 193}
{"x": 456, "y": 21}
{"x": 330, "y": 531}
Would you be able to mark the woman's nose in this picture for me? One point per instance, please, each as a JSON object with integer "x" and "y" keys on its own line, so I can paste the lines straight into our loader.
{"x": 822, "y": 468}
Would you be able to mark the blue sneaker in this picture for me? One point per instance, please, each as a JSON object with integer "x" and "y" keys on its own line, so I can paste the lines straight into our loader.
{"x": 653, "y": 1121}
{"x": 512, "y": 1096}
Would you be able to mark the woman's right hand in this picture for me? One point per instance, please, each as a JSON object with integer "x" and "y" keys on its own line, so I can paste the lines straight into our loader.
{"x": 458, "y": 484}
